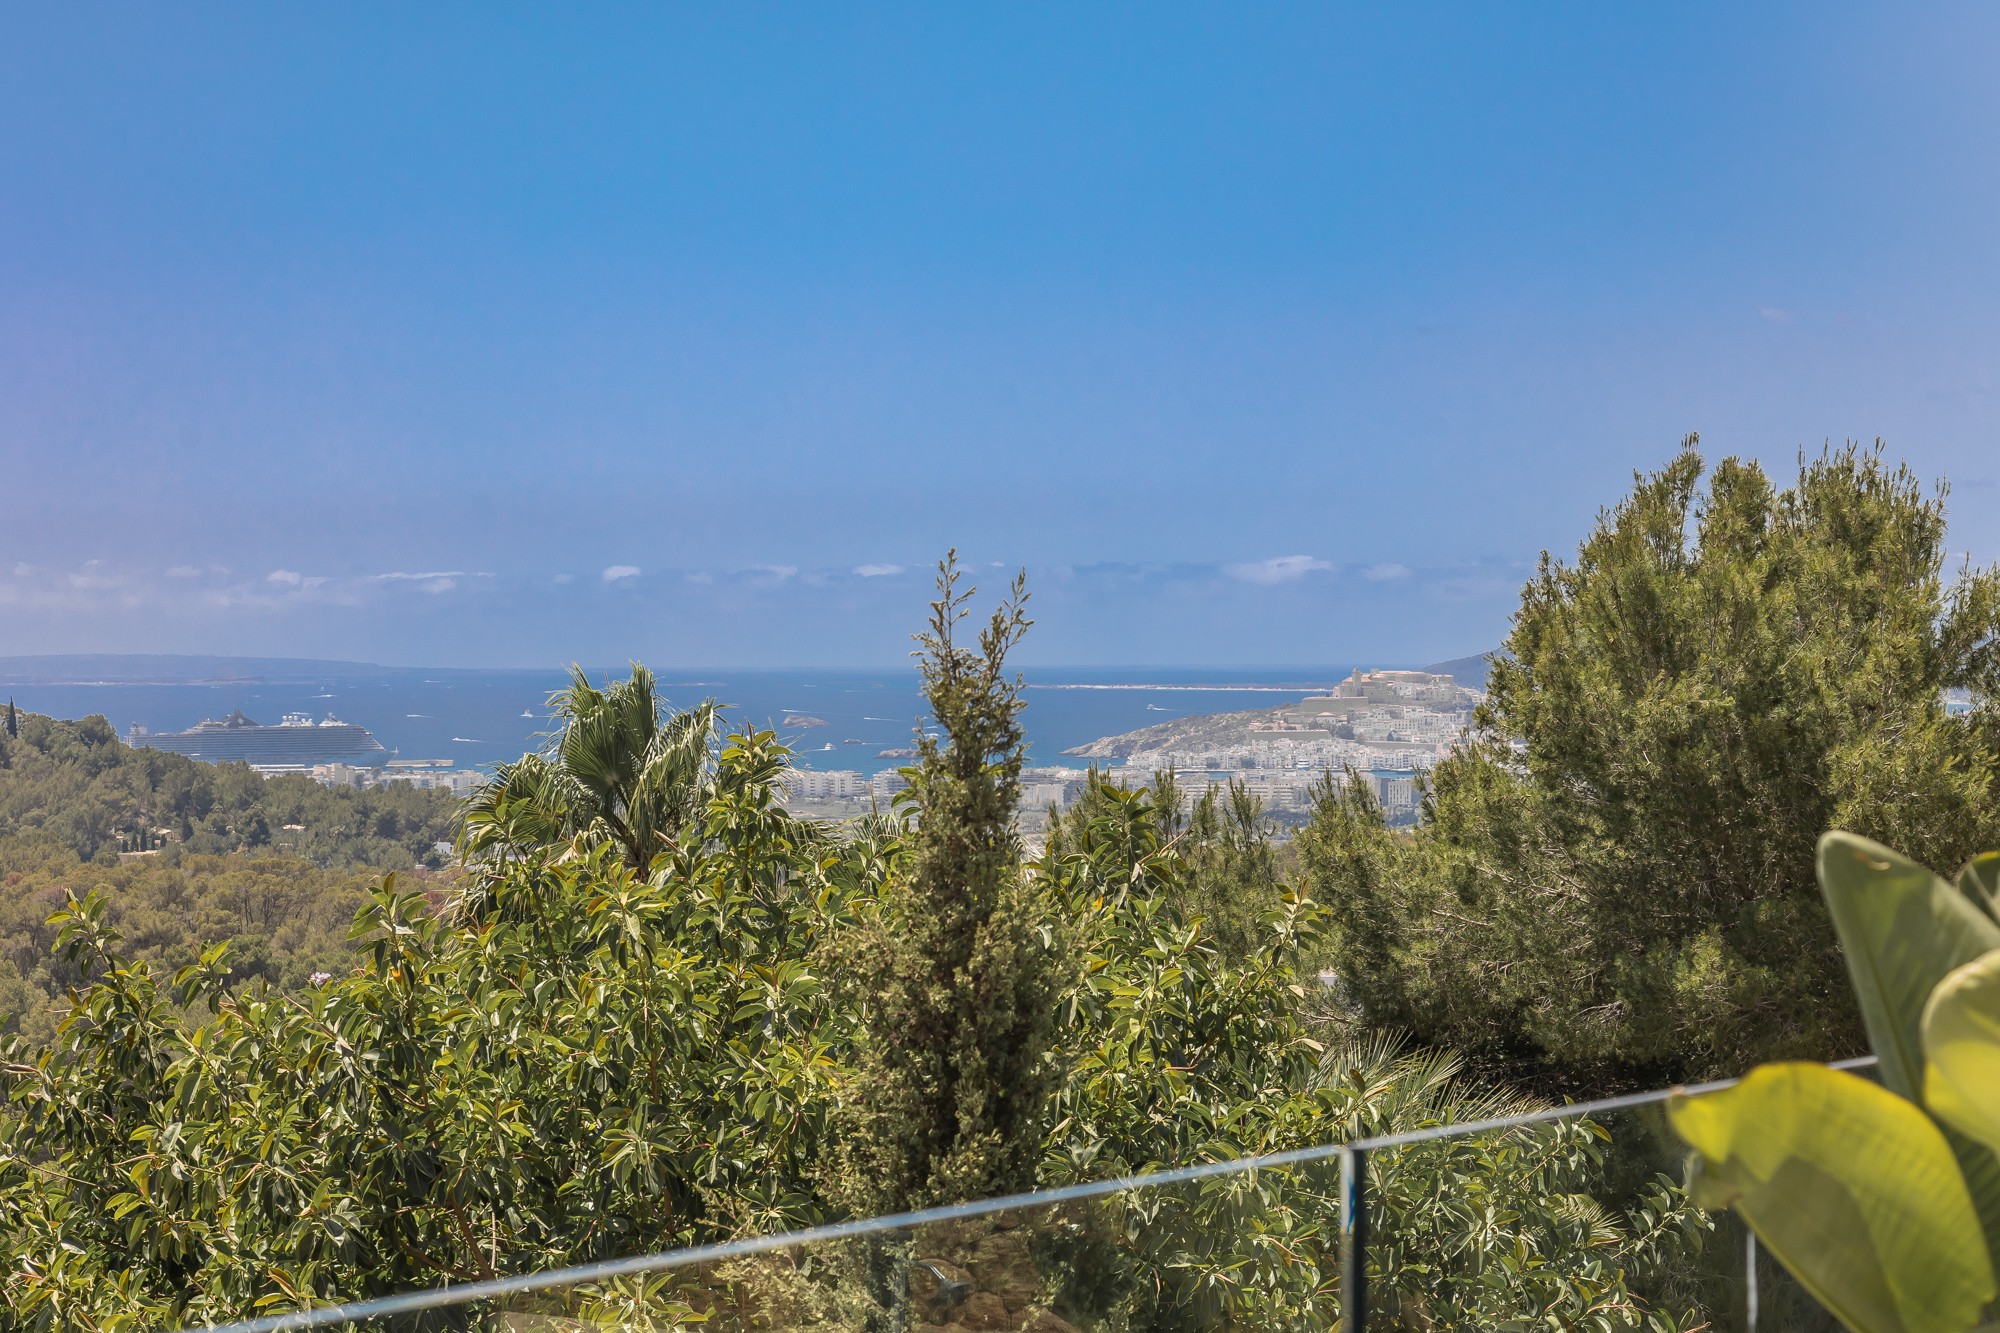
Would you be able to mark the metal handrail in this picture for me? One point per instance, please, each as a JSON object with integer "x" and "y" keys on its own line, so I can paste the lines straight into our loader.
{"x": 1353, "y": 1157}
{"x": 665, "y": 1260}
{"x": 1354, "y": 1179}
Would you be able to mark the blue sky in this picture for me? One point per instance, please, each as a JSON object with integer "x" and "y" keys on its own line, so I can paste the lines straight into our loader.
{"x": 490, "y": 335}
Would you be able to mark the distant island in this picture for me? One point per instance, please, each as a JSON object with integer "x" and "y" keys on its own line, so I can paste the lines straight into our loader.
{"x": 209, "y": 669}
{"x": 171, "y": 669}
{"x": 1469, "y": 671}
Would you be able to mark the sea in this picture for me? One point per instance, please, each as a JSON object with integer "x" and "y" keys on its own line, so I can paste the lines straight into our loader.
{"x": 480, "y": 718}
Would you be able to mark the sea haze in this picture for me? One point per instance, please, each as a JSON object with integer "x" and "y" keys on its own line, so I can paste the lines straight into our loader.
{"x": 481, "y": 718}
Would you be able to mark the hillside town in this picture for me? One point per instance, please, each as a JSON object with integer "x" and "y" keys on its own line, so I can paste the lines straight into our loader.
{"x": 1389, "y": 727}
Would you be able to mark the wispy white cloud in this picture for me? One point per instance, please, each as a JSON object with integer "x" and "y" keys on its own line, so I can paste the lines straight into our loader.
{"x": 1383, "y": 573}
{"x": 778, "y": 572}
{"x": 434, "y": 581}
{"x": 877, "y": 571}
{"x": 185, "y": 591}
{"x": 614, "y": 573}
{"x": 399, "y": 576}
{"x": 94, "y": 586}
{"x": 291, "y": 578}
{"x": 94, "y": 577}
{"x": 1776, "y": 314}
{"x": 1278, "y": 569}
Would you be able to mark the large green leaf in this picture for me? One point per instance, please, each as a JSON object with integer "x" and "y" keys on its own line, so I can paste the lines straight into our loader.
{"x": 1979, "y": 881}
{"x": 1902, "y": 929}
{"x": 1853, "y": 1188}
{"x": 1962, "y": 1041}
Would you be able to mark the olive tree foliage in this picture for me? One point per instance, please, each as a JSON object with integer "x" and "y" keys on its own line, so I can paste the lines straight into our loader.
{"x": 1613, "y": 879}
{"x": 951, "y": 971}
{"x": 621, "y": 769}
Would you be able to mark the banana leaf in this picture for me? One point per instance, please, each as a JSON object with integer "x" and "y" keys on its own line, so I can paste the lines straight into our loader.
{"x": 1851, "y": 1187}
{"x": 1979, "y": 881}
{"x": 1903, "y": 930}
{"x": 1962, "y": 1046}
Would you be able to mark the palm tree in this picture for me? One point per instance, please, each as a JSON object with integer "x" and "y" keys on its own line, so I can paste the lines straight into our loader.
{"x": 622, "y": 768}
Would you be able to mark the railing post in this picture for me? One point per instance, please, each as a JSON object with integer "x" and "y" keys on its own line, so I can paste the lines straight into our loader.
{"x": 1749, "y": 1280}
{"x": 1354, "y": 1239}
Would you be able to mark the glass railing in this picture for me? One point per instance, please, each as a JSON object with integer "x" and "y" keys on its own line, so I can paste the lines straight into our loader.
{"x": 1229, "y": 1245}
{"x": 1569, "y": 1218}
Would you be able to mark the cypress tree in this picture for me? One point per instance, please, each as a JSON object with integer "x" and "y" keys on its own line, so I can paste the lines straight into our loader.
{"x": 955, "y": 982}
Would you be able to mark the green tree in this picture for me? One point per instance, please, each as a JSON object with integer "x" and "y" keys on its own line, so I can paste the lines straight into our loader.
{"x": 584, "y": 1060}
{"x": 1179, "y": 1047}
{"x": 951, "y": 974}
{"x": 285, "y": 919}
{"x": 622, "y": 769}
{"x": 1234, "y": 870}
{"x": 77, "y": 783}
{"x": 597, "y": 1063}
{"x": 1612, "y": 880}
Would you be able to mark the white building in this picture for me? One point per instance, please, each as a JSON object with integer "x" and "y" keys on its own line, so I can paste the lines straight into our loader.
{"x": 835, "y": 784}
{"x": 884, "y": 786}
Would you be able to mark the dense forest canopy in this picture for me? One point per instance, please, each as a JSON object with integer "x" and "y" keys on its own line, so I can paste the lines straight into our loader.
{"x": 79, "y": 784}
{"x": 283, "y": 919}
{"x": 276, "y": 867}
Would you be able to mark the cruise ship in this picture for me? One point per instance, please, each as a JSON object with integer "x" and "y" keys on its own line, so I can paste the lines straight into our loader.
{"x": 298, "y": 740}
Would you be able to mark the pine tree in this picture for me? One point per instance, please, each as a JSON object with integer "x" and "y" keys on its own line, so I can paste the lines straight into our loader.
{"x": 1614, "y": 882}
{"x": 955, "y": 980}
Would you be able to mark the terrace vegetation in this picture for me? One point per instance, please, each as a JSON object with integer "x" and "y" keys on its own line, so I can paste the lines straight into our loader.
{"x": 655, "y": 1009}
